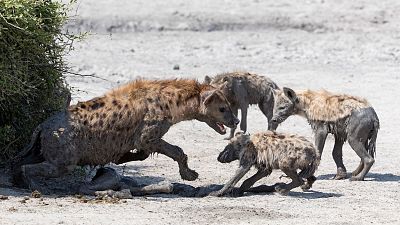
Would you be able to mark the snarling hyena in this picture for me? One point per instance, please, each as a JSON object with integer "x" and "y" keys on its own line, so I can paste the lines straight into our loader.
{"x": 346, "y": 117}
{"x": 268, "y": 151}
{"x": 243, "y": 89}
{"x": 132, "y": 117}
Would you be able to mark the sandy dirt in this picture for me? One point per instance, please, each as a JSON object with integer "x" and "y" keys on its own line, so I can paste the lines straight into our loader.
{"x": 342, "y": 46}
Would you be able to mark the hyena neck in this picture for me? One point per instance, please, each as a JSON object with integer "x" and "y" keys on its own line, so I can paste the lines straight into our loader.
{"x": 303, "y": 107}
{"x": 189, "y": 110}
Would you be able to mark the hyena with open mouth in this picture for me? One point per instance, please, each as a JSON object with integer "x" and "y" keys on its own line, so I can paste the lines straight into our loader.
{"x": 346, "y": 117}
{"x": 106, "y": 129}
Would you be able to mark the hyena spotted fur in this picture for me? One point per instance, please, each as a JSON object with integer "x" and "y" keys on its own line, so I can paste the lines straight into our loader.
{"x": 346, "y": 117}
{"x": 132, "y": 117}
{"x": 243, "y": 89}
{"x": 268, "y": 151}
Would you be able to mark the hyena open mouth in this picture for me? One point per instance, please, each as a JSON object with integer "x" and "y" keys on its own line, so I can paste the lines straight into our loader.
{"x": 221, "y": 127}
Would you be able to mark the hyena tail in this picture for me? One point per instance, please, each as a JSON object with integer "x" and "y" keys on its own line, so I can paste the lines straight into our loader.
{"x": 310, "y": 169}
{"x": 31, "y": 154}
{"x": 372, "y": 140}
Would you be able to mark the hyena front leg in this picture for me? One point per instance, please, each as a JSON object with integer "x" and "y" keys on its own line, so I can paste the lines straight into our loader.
{"x": 321, "y": 132}
{"x": 177, "y": 154}
{"x": 267, "y": 108}
{"x": 240, "y": 172}
{"x": 243, "y": 118}
{"x": 235, "y": 112}
{"x": 150, "y": 141}
{"x": 337, "y": 155}
{"x": 246, "y": 185}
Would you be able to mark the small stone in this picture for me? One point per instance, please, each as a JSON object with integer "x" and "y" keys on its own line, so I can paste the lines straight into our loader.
{"x": 78, "y": 196}
{"x": 23, "y": 201}
{"x": 36, "y": 194}
{"x": 26, "y": 198}
{"x": 176, "y": 67}
{"x": 3, "y": 197}
{"x": 12, "y": 209}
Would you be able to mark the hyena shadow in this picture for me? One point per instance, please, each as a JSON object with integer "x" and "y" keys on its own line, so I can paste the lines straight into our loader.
{"x": 378, "y": 177}
{"x": 135, "y": 172}
{"x": 311, "y": 194}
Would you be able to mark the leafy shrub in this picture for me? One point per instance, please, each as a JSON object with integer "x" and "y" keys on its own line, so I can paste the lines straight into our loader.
{"x": 32, "y": 45}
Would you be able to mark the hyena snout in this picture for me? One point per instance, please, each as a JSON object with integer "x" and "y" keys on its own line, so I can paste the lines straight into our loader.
{"x": 236, "y": 121}
{"x": 278, "y": 119}
{"x": 231, "y": 121}
{"x": 228, "y": 155}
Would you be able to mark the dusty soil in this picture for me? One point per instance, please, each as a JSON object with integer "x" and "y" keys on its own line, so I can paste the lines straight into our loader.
{"x": 342, "y": 46}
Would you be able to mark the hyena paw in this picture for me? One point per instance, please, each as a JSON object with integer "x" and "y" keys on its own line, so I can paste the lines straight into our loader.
{"x": 281, "y": 189}
{"x": 305, "y": 186}
{"x": 356, "y": 178}
{"x": 188, "y": 174}
{"x": 340, "y": 175}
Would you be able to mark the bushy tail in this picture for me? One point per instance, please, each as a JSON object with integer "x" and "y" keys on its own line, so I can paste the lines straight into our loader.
{"x": 310, "y": 169}
{"x": 372, "y": 140}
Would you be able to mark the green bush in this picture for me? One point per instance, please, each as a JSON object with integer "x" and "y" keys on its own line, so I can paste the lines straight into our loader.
{"x": 32, "y": 45}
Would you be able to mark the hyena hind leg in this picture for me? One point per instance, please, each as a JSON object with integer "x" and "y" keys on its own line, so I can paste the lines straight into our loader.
{"x": 296, "y": 182}
{"x": 32, "y": 172}
{"x": 366, "y": 159}
{"x": 309, "y": 182}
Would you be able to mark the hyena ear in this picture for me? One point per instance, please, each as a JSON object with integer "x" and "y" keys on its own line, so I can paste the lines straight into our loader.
{"x": 209, "y": 96}
{"x": 207, "y": 80}
{"x": 223, "y": 85}
{"x": 291, "y": 94}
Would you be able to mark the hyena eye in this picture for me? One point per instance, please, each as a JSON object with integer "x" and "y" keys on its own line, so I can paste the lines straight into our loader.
{"x": 281, "y": 108}
{"x": 222, "y": 109}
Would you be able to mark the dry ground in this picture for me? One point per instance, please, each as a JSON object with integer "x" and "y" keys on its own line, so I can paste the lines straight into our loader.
{"x": 341, "y": 46}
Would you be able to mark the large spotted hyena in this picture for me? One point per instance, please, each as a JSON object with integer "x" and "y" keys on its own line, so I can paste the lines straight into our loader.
{"x": 346, "y": 117}
{"x": 243, "y": 89}
{"x": 132, "y": 117}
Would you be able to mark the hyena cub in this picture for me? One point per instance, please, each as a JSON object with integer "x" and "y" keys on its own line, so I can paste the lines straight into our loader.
{"x": 346, "y": 117}
{"x": 243, "y": 89}
{"x": 268, "y": 151}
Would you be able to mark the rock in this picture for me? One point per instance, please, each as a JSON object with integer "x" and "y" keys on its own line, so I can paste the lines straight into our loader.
{"x": 36, "y": 194}
{"x": 176, "y": 67}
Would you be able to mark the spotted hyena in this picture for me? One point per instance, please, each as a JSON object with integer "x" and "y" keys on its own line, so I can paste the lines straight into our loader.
{"x": 268, "y": 151}
{"x": 243, "y": 89}
{"x": 132, "y": 117}
{"x": 346, "y": 117}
